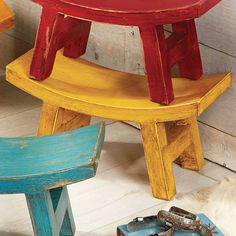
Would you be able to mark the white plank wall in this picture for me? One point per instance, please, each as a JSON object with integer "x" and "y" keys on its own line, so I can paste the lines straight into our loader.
{"x": 119, "y": 48}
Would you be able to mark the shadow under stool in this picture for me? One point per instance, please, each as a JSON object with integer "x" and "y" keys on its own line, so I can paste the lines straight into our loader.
{"x": 69, "y": 102}
{"x": 42, "y": 167}
{"x": 66, "y": 24}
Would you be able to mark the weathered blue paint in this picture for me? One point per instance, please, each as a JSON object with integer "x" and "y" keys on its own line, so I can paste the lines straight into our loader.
{"x": 33, "y": 164}
{"x": 28, "y": 185}
{"x": 122, "y": 229}
{"x": 68, "y": 226}
{"x": 62, "y": 207}
{"x": 42, "y": 214}
{"x": 42, "y": 167}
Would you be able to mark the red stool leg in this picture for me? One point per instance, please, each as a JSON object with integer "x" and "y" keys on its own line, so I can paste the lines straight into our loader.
{"x": 48, "y": 41}
{"x": 157, "y": 66}
{"x": 77, "y": 37}
{"x": 191, "y": 66}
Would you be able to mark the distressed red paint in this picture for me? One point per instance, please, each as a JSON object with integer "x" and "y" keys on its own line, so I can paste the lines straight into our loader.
{"x": 66, "y": 23}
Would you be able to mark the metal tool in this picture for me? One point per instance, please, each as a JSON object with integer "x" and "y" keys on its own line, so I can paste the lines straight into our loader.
{"x": 183, "y": 213}
{"x": 169, "y": 223}
{"x": 168, "y": 232}
{"x": 141, "y": 223}
{"x": 207, "y": 230}
{"x": 182, "y": 220}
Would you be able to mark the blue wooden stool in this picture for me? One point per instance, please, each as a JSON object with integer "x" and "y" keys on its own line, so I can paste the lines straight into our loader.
{"x": 42, "y": 167}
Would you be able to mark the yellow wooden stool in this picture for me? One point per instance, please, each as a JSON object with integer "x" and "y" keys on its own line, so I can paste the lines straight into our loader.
{"x": 78, "y": 89}
{"x": 6, "y": 17}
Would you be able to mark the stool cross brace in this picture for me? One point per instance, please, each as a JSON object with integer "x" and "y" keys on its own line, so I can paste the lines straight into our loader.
{"x": 182, "y": 142}
{"x": 162, "y": 53}
{"x": 50, "y": 212}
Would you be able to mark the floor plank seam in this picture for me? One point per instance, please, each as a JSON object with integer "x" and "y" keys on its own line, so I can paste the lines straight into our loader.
{"x": 161, "y": 204}
{"x": 225, "y": 167}
{"x": 18, "y": 113}
{"x": 222, "y": 131}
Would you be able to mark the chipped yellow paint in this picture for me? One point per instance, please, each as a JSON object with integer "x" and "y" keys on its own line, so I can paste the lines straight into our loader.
{"x": 97, "y": 91}
{"x": 23, "y": 144}
{"x": 55, "y": 120}
{"x": 60, "y": 184}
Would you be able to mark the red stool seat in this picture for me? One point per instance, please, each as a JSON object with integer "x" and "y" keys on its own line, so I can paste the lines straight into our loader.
{"x": 156, "y": 11}
{"x": 66, "y": 23}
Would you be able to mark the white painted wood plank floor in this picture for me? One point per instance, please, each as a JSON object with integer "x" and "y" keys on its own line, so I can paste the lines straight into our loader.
{"x": 118, "y": 193}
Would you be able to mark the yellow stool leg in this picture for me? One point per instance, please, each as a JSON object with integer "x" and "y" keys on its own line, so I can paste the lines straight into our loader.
{"x": 163, "y": 146}
{"x": 159, "y": 166}
{"x": 56, "y": 119}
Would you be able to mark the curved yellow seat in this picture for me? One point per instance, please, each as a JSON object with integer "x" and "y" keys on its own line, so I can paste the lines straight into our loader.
{"x": 6, "y": 17}
{"x": 97, "y": 91}
{"x": 78, "y": 89}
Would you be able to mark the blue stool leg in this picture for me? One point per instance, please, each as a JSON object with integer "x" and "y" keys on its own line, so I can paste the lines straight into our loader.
{"x": 68, "y": 228}
{"x": 68, "y": 224}
{"x": 42, "y": 214}
{"x": 51, "y": 213}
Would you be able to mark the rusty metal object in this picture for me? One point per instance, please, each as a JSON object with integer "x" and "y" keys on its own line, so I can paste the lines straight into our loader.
{"x": 167, "y": 223}
{"x": 168, "y": 232}
{"x": 179, "y": 219}
{"x": 183, "y": 213}
{"x": 141, "y": 223}
{"x": 178, "y": 222}
{"x": 207, "y": 230}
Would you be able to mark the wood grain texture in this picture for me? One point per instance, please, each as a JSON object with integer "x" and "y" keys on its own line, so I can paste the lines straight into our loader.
{"x": 63, "y": 212}
{"x": 162, "y": 146}
{"x": 49, "y": 213}
{"x": 190, "y": 65}
{"x": 22, "y": 101}
{"x": 24, "y": 124}
{"x": 192, "y": 157}
{"x": 161, "y": 54}
{"x": 47, "y": 43}
{"x": 76, "y": 37}
{"x": 6, "y": 17}
{"x": 159, "y": 167}
{"x": 157, "y": 64}
{"x": 179, "y": 139}
{"x": 61, "y": 159}
{"x": 37, "y": 167}
{"x": 42, "y": 214}
{"x": 222, "y": 37}
{"x": 222, "y": 115}
{"x": 218, "y": 147}
{"x": 11, "y": 48}
{"x": 54, "y": 32}
{"x": 56, "y": 120}
{"x": 24, "y": 29}
{"x": 134, "y": 12}
{"x": 110, "y": 94}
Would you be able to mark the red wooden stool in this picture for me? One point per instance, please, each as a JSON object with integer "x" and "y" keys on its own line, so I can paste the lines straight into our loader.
{"x": 66, "y": 23}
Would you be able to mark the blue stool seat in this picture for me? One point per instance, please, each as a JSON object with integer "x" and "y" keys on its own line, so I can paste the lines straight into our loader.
{"x": 42, "y": 167}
